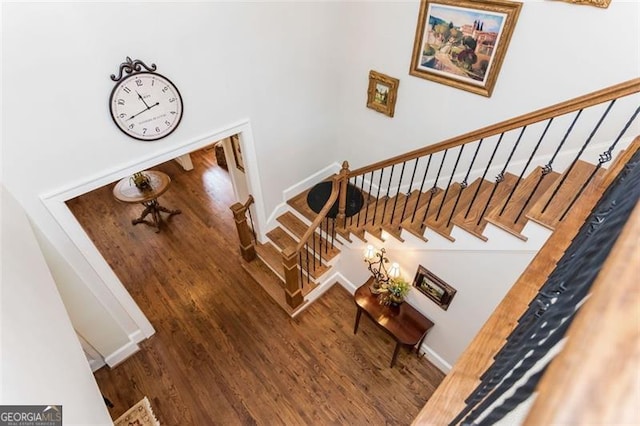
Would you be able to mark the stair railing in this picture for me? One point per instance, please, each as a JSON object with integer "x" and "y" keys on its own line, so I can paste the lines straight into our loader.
{"x": 246, "y": 233}
{"x": 530, "y": 138}
{"x": 301, "y": 261}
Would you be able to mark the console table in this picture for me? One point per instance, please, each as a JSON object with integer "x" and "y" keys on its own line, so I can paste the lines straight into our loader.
{"x": 127, "y": 192}
{"x": 404, "y": 323}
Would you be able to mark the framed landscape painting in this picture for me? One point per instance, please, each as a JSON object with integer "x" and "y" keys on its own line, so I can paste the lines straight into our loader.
{"x": 433, "y": 287}
{"x": 462, "y": 43}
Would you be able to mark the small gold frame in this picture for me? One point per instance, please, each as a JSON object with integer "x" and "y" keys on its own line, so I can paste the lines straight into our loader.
{"x": 382, "y": 93}
{"x": 597, "y": 3}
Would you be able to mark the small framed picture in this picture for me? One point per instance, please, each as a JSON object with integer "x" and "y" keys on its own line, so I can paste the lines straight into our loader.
{"x": 433, "y": 287}
{"x": 237, "y": 153}
{"x": 382, "y": 93}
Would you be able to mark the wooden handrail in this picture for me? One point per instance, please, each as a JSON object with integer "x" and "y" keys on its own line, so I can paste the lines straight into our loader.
{"x": 614, "y": 92}
{"x": 335, "y": 188}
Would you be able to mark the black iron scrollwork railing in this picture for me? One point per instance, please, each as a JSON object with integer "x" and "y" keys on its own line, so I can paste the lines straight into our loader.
{"x": 517, "y": 368}
{"x": 427, "y": 185}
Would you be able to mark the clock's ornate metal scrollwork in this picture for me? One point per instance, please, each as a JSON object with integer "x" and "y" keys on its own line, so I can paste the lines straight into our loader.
{"x": 132, "y": 66}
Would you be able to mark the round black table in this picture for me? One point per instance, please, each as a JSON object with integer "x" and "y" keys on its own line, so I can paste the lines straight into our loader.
{"x": 319, "y": 194}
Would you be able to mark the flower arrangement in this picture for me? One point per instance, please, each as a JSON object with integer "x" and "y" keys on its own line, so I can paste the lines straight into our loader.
{"x": 394, "y": 291}
{"x": 141, "y": 181}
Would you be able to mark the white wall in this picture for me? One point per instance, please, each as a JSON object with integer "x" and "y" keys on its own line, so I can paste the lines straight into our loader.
{"x": 42, "y": 361}
{"x": 267, "y": 62}
{"x": 558, "y": 51}
{"x": 296, "y": 70}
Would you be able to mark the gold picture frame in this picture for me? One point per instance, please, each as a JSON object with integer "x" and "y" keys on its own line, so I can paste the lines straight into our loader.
{"x": 597, "y": 3}
{"x": 462, "y": 43}
{"x": 382, "y": 93}
{"x": 237, "y": 152}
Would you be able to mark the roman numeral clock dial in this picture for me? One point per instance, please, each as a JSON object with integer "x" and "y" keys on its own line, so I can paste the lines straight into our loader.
{"x": 144, "y": 105}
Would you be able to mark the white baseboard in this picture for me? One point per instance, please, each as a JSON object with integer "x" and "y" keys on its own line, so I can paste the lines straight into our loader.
{"x": 96, "y": 365}
{"x": 435, "y": 359}
{"x": 307, "y": 183}
{"x": 277, "y": 212}
{"x": 138, "y": 336}
{"x": 121, "y": 354}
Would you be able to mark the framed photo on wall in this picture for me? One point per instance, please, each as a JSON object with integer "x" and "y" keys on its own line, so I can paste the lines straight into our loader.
{"x": 462, "y": 43}
{"x": 433, "y": 287}
{"x": 237, "y": 153}
{"x": 382, "y": 93}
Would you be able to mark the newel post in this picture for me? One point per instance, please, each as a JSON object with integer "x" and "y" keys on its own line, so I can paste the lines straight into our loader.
{"x": 247, "y": 245}
{"x": 292, "y": 285}
{"x": 341, "y": 222}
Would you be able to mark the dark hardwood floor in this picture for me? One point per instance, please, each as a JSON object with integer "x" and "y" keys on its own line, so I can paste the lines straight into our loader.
{"x": 223, "y": 352}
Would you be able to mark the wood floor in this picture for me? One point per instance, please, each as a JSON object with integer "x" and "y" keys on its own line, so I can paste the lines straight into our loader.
{"x": 223, "y": 352}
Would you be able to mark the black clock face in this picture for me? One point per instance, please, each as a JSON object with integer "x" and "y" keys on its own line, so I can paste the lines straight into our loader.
{"x": 146, "y": 106}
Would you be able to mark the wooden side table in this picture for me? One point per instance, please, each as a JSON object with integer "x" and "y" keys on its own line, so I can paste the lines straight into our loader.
{"x": 404, "y": 323}
{"x": 127, "y": 192}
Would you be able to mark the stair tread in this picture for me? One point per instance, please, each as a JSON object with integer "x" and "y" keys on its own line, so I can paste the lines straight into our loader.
{"x": 509, "y": 218}
{"x": 299, "y": 203}
{"x": 440, "y": 223}
{"x": 297, "y": 227}
{"x": 470, "y": 219}
{"x": 270, "y": 283}
{"x": 426, "y": 206}
{"x": 387, "y": 217}
{"x": 281, "y": 238}
{"x": 569, "y": 187}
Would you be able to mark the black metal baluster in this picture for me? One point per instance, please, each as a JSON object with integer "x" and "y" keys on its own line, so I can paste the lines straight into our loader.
{"x": 375, "y": 209}
{"x": 575, "y": 160}
{"x": 500, "y": 176}
{"x": 308, "y": 265}
{"x": 446, "y": 191}
{"x": 333, "y": 231}
{"x": 386, "y": 199}
{"x": 548, "y": 168}
{"x": 366, "y": 210}
{"x": 313, "y": 243}
{"x": 424, "y": 177}
{"x": 361, "y": 192}
{"x": 253, "y": 229}
{"x": 604, "y": 158}
{"x": 354, "y": 186}
{"x": 434, "y": 188}
{"x": 465, "y": 182}
{"x": 413, "y": 175}
{"x": 395, "y": 203}
{"x": 524, "y": 169}
{"x": 486, "y": 170}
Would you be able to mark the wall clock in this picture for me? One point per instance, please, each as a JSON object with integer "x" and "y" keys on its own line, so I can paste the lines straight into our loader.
{"x": 144, "y": 105}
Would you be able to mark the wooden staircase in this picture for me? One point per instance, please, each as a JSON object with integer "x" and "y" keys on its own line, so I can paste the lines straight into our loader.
{"x": 301, "y": 249}
{"x": 421, "y": 212}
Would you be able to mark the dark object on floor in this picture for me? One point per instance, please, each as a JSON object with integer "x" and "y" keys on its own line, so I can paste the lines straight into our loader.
{"x": 107, "y": 402}
{"x": 319, "y": 194}
{"x": 220, "y": 159}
